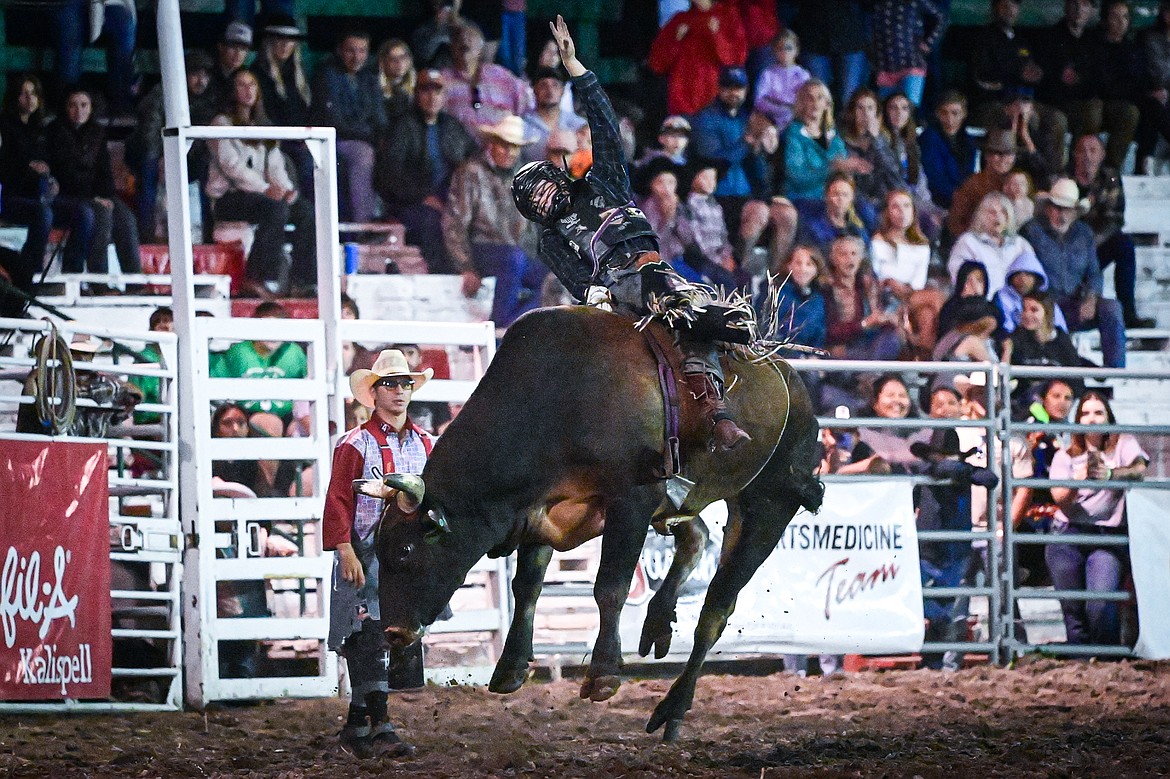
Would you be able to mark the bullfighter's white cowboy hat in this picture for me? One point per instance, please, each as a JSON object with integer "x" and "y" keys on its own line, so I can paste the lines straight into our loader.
{"x": 391, "y": 362}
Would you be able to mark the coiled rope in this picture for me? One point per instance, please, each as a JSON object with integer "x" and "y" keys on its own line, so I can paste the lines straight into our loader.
{"x": 54, "y": 383}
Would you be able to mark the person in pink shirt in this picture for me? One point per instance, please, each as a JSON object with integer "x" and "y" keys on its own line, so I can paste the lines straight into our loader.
{"x": 691, "y": 49}
{"x": 481, "y": 93}
{"x": 777, "y": 86}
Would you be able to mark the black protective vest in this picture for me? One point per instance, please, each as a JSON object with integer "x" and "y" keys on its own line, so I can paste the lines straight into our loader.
{"x": 600, "y": 233}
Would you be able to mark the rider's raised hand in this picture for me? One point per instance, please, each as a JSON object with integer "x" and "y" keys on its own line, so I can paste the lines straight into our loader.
{"x": 566, "y": 47}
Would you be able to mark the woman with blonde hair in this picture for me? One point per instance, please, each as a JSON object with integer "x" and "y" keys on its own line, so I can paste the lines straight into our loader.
{"x": 992, "y": 241}
{"x": 248, "y": 181}
{"x": 284, "y": 89}
{"x": 812, "y": 148}
{"x": 396, "y": 76}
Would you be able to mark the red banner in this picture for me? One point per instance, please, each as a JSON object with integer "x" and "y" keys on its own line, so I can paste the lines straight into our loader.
{"x": 55, "y": 580}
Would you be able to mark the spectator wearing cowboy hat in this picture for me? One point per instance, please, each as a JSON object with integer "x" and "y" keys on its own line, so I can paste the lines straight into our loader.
{"x": 484, "y": 233}
{"x": 416, "y": 159}
{"x": 1067, "y": 249}
{"x": 388, "y": 443}
{"x": 347, "y": 96}
{"x": 999, "y": 157}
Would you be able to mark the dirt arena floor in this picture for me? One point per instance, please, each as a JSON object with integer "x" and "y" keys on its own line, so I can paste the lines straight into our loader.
{"x": 1043, "y": 718}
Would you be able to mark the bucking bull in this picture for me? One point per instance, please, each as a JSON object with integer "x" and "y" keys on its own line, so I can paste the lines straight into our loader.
{"x": 562, "y": 441}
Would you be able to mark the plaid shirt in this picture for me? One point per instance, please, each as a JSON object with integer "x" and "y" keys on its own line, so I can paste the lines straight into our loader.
{"x": 1106, "y": 204}
{"x": 358, "y": 456}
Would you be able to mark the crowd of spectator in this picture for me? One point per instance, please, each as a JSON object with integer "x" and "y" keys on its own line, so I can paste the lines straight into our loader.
{"x": 868, "y": 219}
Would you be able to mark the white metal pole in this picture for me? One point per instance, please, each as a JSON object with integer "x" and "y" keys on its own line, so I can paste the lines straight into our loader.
{"x": 179, "y": 240}
{"x": 171, "y": 65}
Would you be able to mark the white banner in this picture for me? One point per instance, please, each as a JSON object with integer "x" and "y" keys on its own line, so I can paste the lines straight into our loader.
{"x": 1149, "y": 553}
{"x": 844, "y": 580}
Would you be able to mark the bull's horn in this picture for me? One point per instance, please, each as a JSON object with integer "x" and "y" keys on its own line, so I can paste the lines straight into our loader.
{"x": 371, "y": 487}
{"x": 410, "y": 489}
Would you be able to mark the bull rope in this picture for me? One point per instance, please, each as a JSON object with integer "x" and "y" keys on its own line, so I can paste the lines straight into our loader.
{"x": 682, "y": 305}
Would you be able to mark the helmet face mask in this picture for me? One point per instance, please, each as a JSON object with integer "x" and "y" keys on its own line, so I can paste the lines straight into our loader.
{"x": 541, "y": 192}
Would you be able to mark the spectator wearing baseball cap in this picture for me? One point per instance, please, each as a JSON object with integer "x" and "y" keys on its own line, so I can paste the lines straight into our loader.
{"x": 691, "y": 49}
{"x": 415, "y": 159}
{"x": 722, "y": 131}
{"x": 674, "y": 135}
{"x": 548, "y": 84}
{"x": 231, "y": 54}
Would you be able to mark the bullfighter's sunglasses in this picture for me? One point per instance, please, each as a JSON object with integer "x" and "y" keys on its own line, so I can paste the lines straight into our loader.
{"x": 393, "y": 383}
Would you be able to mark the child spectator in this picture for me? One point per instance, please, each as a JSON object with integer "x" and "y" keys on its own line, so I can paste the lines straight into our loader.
{"x": 1018, "y": 188}
{"x": 970, "y": 339}
{"x": 657, "y": 188}
{"x": 948, "y": 149}
{"x": 1025, "y": 276}
{"x": 946, "y": 506}
{"x": 700, "y": 221}
{"x": 970, "y": 281}
{"x": 799, "y": 305}
{"x": 777, "y": 86}
{"x": 673, "y": 137}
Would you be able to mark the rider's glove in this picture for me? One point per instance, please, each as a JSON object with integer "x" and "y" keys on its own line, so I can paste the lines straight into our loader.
{"x": 599, "y": 297}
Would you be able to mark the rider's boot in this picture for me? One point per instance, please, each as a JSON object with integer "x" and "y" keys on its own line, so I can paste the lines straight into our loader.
{"x": 728, "y": 435}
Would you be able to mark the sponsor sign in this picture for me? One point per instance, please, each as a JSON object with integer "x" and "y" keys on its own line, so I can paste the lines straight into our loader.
{"x": 55, "y": 577}
{"x": 843, "y": 580}
{"x": 1149, "y": 553}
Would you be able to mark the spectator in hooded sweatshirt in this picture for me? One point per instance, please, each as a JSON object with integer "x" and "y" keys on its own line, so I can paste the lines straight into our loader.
{"x": 1025, "y": 276}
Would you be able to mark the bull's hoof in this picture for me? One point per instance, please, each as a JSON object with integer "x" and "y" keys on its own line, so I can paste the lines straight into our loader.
{"x": 508, "y": 680}
{"x": 669, "y": 712}
{"x": 656, "y": 636}
{"x": 600, "y": 688}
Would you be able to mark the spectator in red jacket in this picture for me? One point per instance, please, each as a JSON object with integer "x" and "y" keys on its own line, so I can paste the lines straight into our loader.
{"x": 761, "y": 25}
{"x": 691, "y": 49}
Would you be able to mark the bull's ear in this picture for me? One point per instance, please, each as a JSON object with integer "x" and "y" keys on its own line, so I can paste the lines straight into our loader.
{"x": 435, "y": 526}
